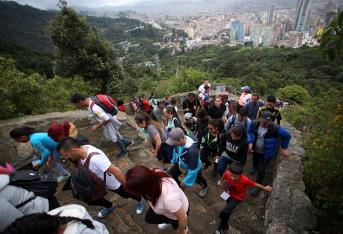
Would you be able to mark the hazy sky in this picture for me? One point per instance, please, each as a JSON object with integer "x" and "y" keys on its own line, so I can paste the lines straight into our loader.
{"x": 44, "y": 4}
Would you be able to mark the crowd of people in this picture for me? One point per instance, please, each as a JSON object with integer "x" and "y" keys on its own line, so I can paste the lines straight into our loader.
{"x": 208, "y": 132}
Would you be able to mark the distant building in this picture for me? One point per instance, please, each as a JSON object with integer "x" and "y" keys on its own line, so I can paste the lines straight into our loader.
{"x": 271, "y": 14}
{"x": 256, "y": 35}
{"x": 267, "y": 35}
{"x": 237, "y": 31}
{"x": 302, "y": 10}
{"x": 190, "y": 32}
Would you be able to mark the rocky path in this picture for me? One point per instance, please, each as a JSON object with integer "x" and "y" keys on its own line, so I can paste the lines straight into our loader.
{"x": 203, "y": 218}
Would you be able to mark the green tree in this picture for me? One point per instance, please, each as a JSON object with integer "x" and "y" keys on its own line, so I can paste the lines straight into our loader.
{"x": 82, "y": 52}
{"x": 294, "y": 93}
{"x": 331, "y": 42}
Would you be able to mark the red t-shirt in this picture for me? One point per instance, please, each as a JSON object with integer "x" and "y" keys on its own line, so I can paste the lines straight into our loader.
{"x": 237, "y": 188}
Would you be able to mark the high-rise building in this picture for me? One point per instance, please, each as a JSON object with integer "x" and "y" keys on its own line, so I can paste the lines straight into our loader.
{"x": 271, "y": 14}
{"x": 267, "y": 35}
{"x": 302, "y": 10}
{"x": 256, "y": 35}
{"x": 237, "y": 31}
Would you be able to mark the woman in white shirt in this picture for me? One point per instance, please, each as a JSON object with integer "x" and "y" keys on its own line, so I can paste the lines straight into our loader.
{"x": 169, "y": 205}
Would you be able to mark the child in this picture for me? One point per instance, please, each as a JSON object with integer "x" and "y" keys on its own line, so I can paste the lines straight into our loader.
{"x": 235, "y": 185}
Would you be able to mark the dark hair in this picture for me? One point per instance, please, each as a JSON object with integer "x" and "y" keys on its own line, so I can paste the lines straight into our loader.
{"x": 236, "y": 168}
{"x": 76, "y": 98}
{"x": 22, "y": 131}
{"x": 120, "y": 102}
{"x": 202, "y": 114}
{"x": 42, "y": 223}
{"x": 173, "y": 101}
{"x": 206, "y": 87}
{"x": 191, "y": 95}
{"x": 237, "y": 130}
{"x": 217, "y": 123}
{"x": 149, "y": 121}
{"x": 256, "y": 95}
{"x": 242, "y": 112}
{"x": 271, "y": 98}
{"x": 142, "y": 181}
{"x": 67, "y": 143}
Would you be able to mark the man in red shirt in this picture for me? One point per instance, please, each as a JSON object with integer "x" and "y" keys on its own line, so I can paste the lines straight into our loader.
{"x": 235, "y": 185}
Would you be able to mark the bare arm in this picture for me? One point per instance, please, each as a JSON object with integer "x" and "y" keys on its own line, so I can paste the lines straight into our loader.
{"x": 264, "y": 188}
{"x": 117, "y": 173}
{"x": 182, "y": 218}
{"x": 99, "y": 125}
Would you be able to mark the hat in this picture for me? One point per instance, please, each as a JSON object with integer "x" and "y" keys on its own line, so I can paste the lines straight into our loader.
{"x": 266, "y": 115}
{"x": 245, "y": 88}
{"x": 175, "y": 135}
{"x": 188, "y": 115}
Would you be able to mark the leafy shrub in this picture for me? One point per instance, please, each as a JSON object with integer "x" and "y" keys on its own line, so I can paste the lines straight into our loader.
{"x": 294, "y": 93}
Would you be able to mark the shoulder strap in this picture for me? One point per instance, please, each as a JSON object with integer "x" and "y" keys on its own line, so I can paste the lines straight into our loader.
{"x": 86, "y": 164}
{"x": 25, "y": 202}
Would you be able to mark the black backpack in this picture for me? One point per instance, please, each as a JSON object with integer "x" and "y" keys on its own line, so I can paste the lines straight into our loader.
{"x": 32, "y": 181}
{"x": 87, "y": 186}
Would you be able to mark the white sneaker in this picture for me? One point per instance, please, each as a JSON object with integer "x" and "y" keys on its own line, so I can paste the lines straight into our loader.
{"x": 164, "y": 226}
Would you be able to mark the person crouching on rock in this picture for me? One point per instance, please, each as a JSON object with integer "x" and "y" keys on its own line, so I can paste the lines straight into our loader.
{"x": 169, "y": 205}
{"x": 186, "y": 163}
{"x": 235, "y": 186}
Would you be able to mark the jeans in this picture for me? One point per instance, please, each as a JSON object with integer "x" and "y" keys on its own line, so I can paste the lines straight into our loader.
{"x": 222, "y": 164}
{"x": 260, "y": 164}
{"x": 56, "y": 165}
{"x": 107, "y": 204}
{"x": 122, "y": 143}
{"x": 225, "y": 214}
{"x": 165, "y": 153}
{"x": 175, "y": 173}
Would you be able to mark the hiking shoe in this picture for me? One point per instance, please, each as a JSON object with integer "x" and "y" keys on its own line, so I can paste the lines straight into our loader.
{"x": 122, "y": 154}
{"x": 140, "y": 207}
{"x": 106, "y": 211}
{"x": 203, "y": 192}
{"x": 252, "y": 171}
{"x": 219, "y": 231}
{"x": 164, "y": 226}
{"x": 255, "y": 191}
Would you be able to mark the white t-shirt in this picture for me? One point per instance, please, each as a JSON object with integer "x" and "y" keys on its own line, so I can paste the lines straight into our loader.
{"x": 98, "y": 164}
{"x": 202, "y": 89}
{"x": 98, "y": 112}
{"x": 172, "y": 199}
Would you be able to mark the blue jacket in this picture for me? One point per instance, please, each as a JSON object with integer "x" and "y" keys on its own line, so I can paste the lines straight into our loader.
{"x": 276, "y": 136}
{"x": 44, "y": 144}
{"x": 189, "y": 159}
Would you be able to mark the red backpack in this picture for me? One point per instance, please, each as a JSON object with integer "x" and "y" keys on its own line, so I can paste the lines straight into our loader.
{"x": 107, "y": 103}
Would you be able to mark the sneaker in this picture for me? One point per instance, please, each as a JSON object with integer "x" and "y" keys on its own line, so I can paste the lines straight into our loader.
{"x": 140, "y": 207}
{"x": 106, "y": 211}
{"x": 203, "y": 192}
{"x": 164, "y": 226}
{"x": 252, "y": 171}
{"x": 122, "y": 154}
{"x": 219, "y": 231}
{"x": 255, "y": 191}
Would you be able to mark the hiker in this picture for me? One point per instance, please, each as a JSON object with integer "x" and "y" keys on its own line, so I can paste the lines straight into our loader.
{"x": 99, "y": 166}
{"x": 270, "y": 106}
{"x": 109, "y": 123}
{"x": 16, "y": 202}
{"x": 134, "y": 104}
{"x": 152, "y": 100}
{"x": 201, "y": 88}
{"x": 233, "y": 148}
{"x": 167, "y": 100}
{"x": 264, "y": 142}
{"x": 204, "y": 97}
{"x": 191, "y": 124}
{"x": 209, "y": 145}
{"x": 157, "y": 112}
{"x": 41, "y": 142}
{"x": 56, "y": 131}
{"x": 203, "y": 119}
{"x": 253, "y": 106}
{"x": 239, "y": 119}
{"x": 217, "y": 110}
{"x": 69, "y": 219}
{"x": 191, "y": 104}
{"x": 169, "y": 205}
{"x": 145, "y": 105}
{"x": 156, "y": 135}
{"x": 121, "y": 105}
{"x": 235, "y": 185}
{"x": 186, "y": 161}
{"x": 172, "y": 118}
{"x": 227, "y": 102}
{"x": 244, "y": 98}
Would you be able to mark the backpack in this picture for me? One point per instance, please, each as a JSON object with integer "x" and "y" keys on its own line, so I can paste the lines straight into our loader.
{"x": 6, "y": 168}
{"x": 32, "y": 181}
{"x": 86, "y": 186}
{"x": 107, "y": 103}
{"x": 245, "y": 125}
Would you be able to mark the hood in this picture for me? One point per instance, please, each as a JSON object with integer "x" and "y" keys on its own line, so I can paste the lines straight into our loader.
{"x": 4, "y": 181}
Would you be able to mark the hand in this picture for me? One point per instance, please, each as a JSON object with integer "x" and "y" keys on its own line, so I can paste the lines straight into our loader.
{"x": 250, "y": 149}
{"x": 94, "y": 128}
{"x": 284, "y": 153}
{"x": 268, "y": 188}
{"x": 37, "y": 167}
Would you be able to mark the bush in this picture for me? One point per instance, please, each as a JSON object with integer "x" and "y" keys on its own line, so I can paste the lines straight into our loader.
{"x": 294, "y": 93}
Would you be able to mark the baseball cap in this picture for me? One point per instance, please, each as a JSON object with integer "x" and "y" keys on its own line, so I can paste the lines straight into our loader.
{"x": 175, "y": 135}
{"x": 188, "y": 115}
{"x": 245, "y": 88}
{"x": 266, "y": 115}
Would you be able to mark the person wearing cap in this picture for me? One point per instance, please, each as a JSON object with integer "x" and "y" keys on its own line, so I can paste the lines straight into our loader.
{"x": 191, "y": 124}
{"x": 235, "y": 185}
{"x": 245, "y": 96}
{"x": 186, "y": 161}
{"x": 191, "y": 104}
{"x": 253, "y": 106}
{"x": 265, "y": 137}
{"x": 271, "y": 106}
